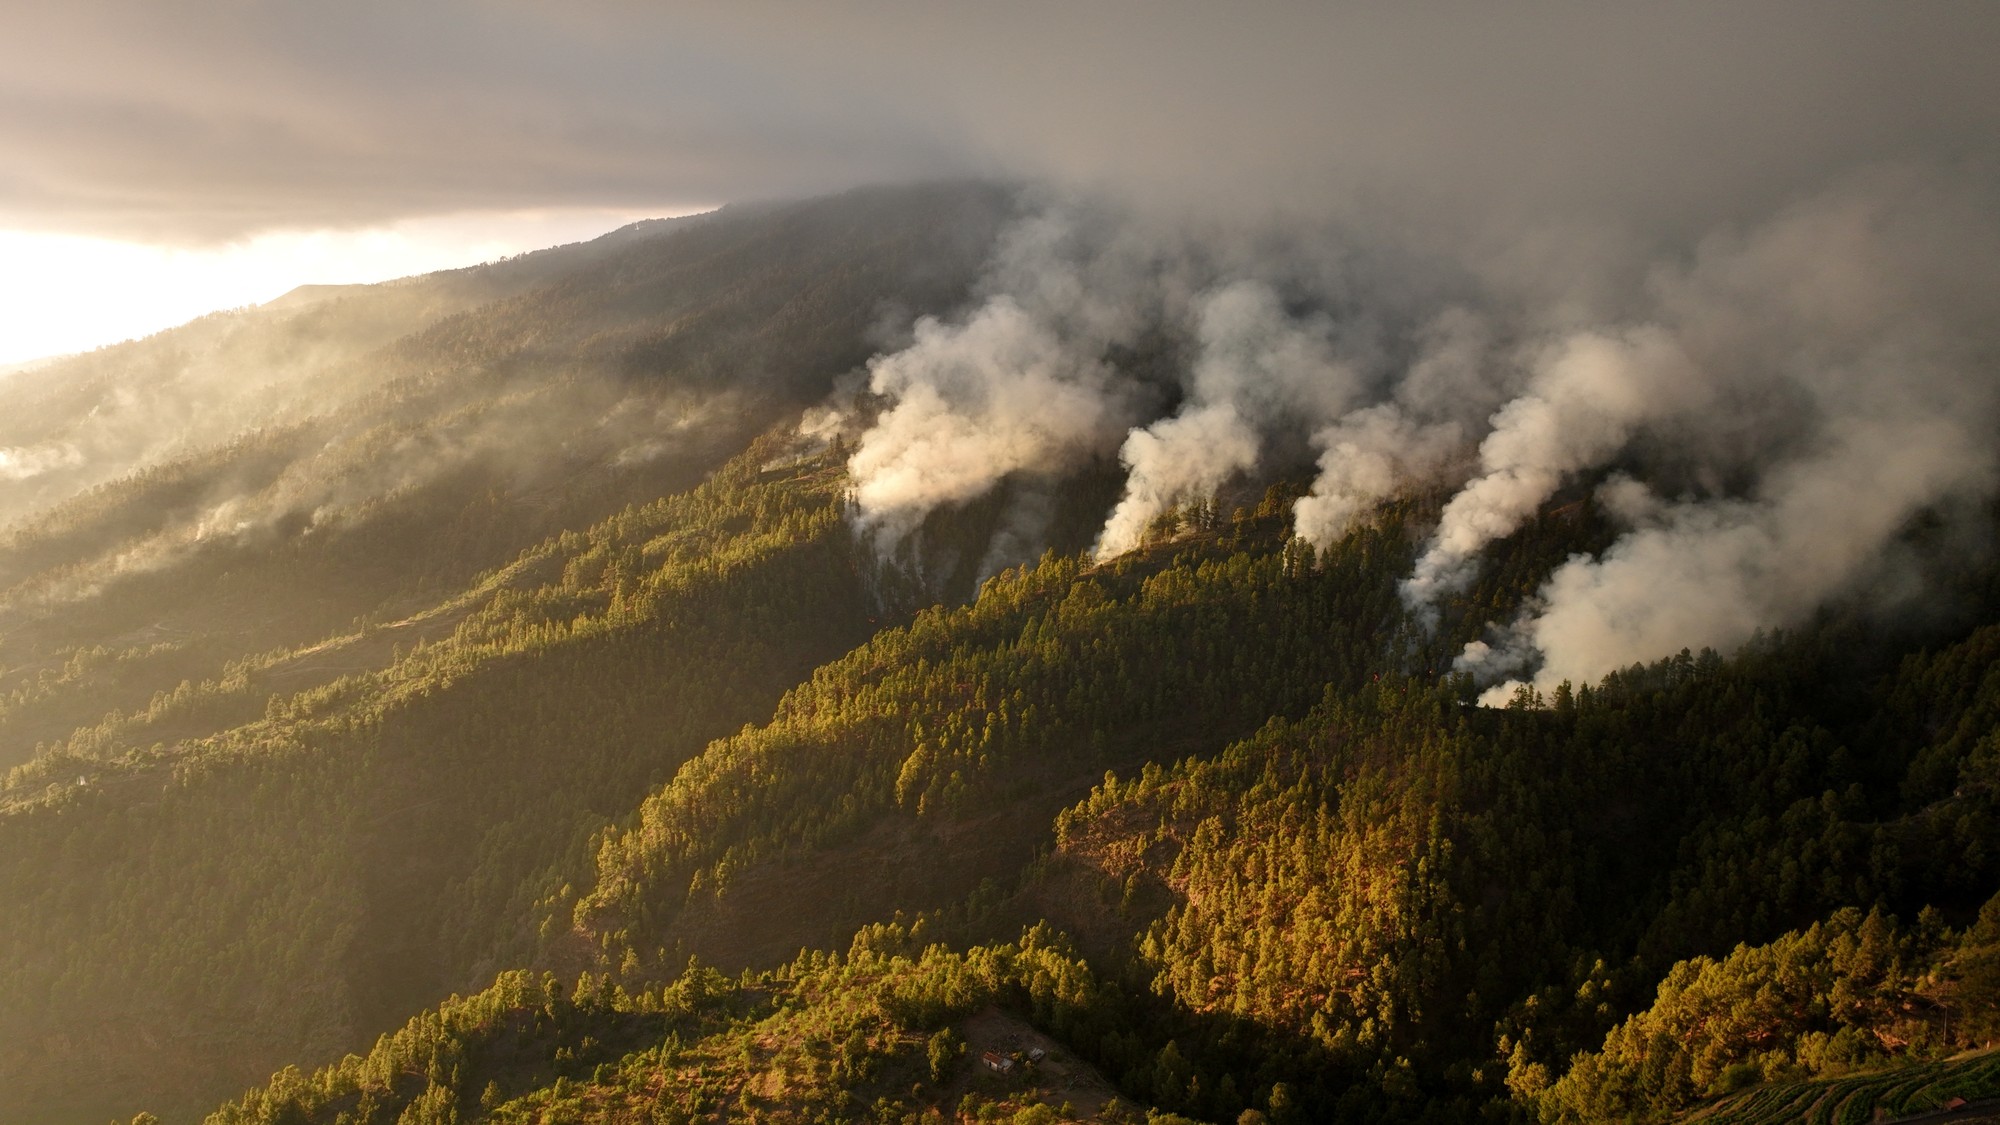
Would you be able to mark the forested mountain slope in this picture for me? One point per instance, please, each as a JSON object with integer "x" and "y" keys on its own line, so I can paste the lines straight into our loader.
{"x": 1371, "y": 904}
{"x": 884, "y": 1032}
{"x": 1389, "y": 907}
{"x": 564, "y": 652}
{"x": 270, "y": 477}
{"x": 339, "y": 764}
{"x": 349, "y": 851}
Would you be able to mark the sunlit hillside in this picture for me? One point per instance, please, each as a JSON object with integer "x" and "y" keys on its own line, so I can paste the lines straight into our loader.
{"x": 930, "y": 653}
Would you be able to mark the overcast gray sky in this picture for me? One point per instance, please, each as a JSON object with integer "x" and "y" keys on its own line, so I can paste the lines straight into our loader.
{"x": 160, "y": 160}
{"x": 196, "y": 122}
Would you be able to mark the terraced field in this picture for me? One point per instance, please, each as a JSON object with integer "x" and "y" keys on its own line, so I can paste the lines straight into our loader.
{"x": 1921, "y": 1092}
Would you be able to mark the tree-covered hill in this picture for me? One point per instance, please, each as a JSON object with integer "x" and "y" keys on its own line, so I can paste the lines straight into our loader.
{"x": 315, "y": 714}
{"x": 883, "y": 1031}
{"x": 337, "y": 856}
{"x": 266, "y": 478}
{"x": 548, "y": 646}
{"x": 1386, "y": 906}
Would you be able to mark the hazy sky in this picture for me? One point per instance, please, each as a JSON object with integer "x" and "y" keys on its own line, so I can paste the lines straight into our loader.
{"x": 236, "y": 147}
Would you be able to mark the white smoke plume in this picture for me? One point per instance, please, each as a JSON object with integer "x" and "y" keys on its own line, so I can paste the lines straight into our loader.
{"x": 1587, "y": 397}
{"x": 1368, "y": 457}
{"x": 1259, "y": 370}
{"x": 1712, "y": 575}
{"x": 1855, "y": 334}
{"x": 1020, "y": 384}
{"x": 1419, "y": 435}
{"x": 1767, "y": 408}
{"x": 1089, "y": 320}
{"x": 973, "y": 402}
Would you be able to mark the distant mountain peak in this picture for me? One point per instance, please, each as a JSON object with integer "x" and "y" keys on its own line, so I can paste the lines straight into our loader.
{"x": 305, "y": 295}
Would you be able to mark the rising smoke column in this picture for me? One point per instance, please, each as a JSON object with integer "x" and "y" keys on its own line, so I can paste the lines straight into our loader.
{"x": 1258, "y": 370}
{"x": 1416, "y": 437}
{"x": 1865, "y": 323}
{"x": 1367, "y": 457}
{"x": 1019, "y": 385}
{"x": 1784, "y": 399}
{"x": 1000, "y": 393}
{"x": 1268, "y": 332}
{"x": 1712, "y": 575}
{"x": 1587, "y": 397}
{"x": 1272, "y": 330}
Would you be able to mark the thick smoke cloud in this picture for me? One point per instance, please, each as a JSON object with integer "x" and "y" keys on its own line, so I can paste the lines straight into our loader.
{"x": 1196, "y": 354}
{"x": 1712, "y": 575}
{"x": 1586, "y": 398}
{"x": 1852, "y": 332}
{"x": 1417, "y": 435}
{"x": 1767, "y": 409}
{"x": 1021, "y": 384}
{"x": 974, "y": 402}
{"x": 1259, "y": 371}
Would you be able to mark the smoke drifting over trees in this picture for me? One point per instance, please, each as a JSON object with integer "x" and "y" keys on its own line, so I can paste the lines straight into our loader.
{"x": 594, "y": 610}
{"x": 1503, "y": 254}
{"x": 1768, "y": 406}
{"x": 1840, "y": 357}
{"x": 1021, "y": 383}
{"x": 1257, "y": 370}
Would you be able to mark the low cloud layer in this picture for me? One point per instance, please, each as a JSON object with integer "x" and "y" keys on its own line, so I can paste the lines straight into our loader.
{"x": 216, "y": 119}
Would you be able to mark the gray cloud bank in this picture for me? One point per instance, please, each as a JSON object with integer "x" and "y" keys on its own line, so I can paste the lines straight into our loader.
{"x": 213, "y": 119}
